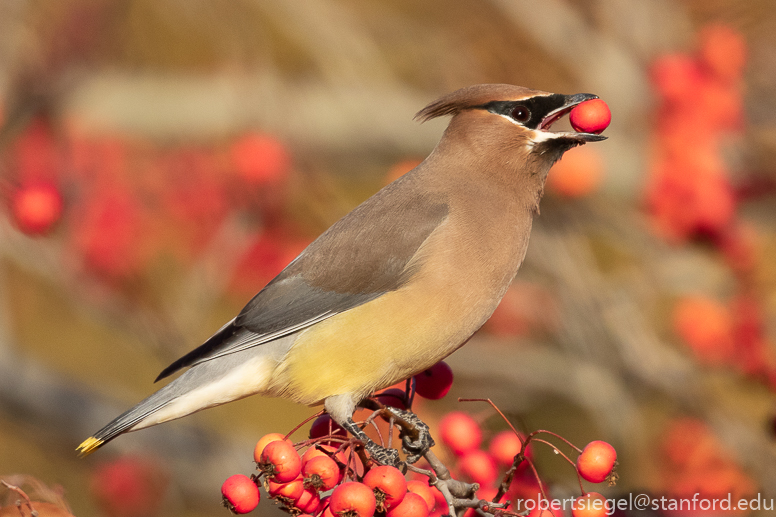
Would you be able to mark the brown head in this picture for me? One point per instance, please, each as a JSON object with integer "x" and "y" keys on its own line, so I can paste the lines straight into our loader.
{"x": 501, "y": 125}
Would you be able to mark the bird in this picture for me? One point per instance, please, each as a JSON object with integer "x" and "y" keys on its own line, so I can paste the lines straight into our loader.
{"x": 397, "y": 284}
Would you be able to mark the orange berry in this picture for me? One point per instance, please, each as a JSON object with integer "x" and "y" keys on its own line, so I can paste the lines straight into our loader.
{"x": 264, "y": 441}
{"x": 412, "y": 505}
{"x": 596, "y": 461}
{"x": 706, "y": 326}
{"x": 423, "y": 490}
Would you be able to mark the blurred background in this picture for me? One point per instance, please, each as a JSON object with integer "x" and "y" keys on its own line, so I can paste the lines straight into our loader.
{"x": 161, "y": 161}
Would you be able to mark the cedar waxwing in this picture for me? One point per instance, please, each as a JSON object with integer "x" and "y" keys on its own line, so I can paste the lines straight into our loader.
{"x": 396, "y": 285}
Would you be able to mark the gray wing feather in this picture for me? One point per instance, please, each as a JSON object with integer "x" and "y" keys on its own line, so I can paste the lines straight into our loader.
{"x": 361, "y": 257}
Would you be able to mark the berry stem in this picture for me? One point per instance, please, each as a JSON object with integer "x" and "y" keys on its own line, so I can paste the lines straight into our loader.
{"x": 558, "y": 451}
{"x": 559, "y": 437}
{"x": 303, "y": 422}
{"x": 495, "y": 407}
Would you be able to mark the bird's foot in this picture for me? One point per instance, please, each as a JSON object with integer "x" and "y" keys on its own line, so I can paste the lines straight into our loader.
{"x": 417, "y": 440}
{"x": 384, "y": 455}
{"x": 380, "y": 454}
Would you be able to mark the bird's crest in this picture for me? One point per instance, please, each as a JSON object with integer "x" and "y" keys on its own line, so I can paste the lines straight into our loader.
{"x": 472, "y": 97}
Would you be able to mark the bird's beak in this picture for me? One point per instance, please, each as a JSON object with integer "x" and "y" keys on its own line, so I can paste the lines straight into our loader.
{"x": 571, "y": 102}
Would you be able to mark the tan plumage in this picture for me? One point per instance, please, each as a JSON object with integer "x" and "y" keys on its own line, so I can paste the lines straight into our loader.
{"x": 396, "y": 285}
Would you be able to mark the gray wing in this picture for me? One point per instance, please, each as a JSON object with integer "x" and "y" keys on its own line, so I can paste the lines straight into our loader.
{"x": 361, "y": 257}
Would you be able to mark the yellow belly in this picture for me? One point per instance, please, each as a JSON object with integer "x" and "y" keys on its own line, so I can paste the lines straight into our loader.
{"x": 374, "y": 345}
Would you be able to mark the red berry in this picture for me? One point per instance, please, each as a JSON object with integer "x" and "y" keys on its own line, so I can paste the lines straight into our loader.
{"x": 280, "y": 462}
{"x": 322, "y": 450}
{"x": 290, "y": 491}
{"x": 308, "y": 502}
{"x": 388, "y": 485}
{"x": 596, "y": 461}
{"x": 434, "y": 383}
{"x": 129, "y": 486}
{"x": 327, "y": 510}
{"x": 479, "y": 466}
{"x": 504, "y": 447}
{"x": 460, "y": 432}
{"x": 240, "y": 493}
{"x": 36, "y": 207}
{"x": 353, "y": 499}
{"x": 321, "y": 473}
{"x": 440, "y": 502}
{"x": 412, "y": 505}
{"x": 325, "y": 426}
{"x": 423, "y": 490}
{"x": 264, "y": 441}
{"x": 676, "y": 78}
{"x": 260, "y": 158}
{"x": 393, "y": 397}
{"x": 723, "y": 51}
{"x": 110, "y": 235}
{"x": 591, "y": 116}
{"x": 592, "y": 504}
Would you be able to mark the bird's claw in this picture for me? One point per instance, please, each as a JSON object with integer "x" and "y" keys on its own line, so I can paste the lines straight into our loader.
{"x": 383, "y": 455}
{"x": 414, "y": 448}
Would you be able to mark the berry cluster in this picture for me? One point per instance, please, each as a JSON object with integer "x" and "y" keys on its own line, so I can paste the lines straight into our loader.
{"x": 689, "y": 193}
{"x": 690, "y": 197}
{"x": 510, "y": 451}
{"x": 331, "y": 475}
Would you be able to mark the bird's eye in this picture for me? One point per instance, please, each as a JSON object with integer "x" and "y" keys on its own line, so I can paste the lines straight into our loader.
{"x": 521, "y": 113}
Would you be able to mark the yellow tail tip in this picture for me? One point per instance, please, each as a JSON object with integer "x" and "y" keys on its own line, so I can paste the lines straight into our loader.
{"x": 88, "y": 446}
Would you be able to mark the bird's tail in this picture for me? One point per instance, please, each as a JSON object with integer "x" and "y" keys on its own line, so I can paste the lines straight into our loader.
{"x": 207, "y": 383}
{"x": 126, "y": 421}
{"x": 132, "y": 418}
